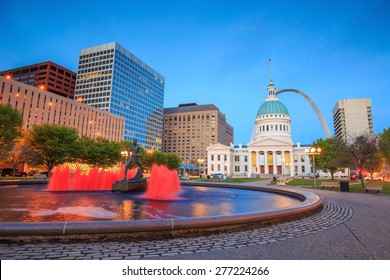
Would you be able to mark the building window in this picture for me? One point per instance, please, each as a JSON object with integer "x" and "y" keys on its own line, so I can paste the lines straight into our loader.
{"x": 302, "y": 158}
{"x": 236, "y": 158}
{"x": 225, "y": 157}
{"x": 237, "y": 168}
{"x": 246, "y": 158}
{"x": 212, "y": 157}
{"x": 303, "y": 169}
{"x": 212, "y": 167}
{"x": 295, "y": 158}
{"x": 219, "y": 158}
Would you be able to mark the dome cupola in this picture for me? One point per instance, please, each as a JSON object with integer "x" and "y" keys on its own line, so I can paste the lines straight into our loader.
{"x": 272, "y": 119}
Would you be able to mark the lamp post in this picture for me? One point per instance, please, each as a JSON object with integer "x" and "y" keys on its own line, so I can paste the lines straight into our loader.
{"x": 200, "y": 160}
{"x": 313, "y": 151}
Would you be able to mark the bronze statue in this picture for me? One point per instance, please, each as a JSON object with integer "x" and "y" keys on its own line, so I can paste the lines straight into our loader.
{"x": 135, "y": 156}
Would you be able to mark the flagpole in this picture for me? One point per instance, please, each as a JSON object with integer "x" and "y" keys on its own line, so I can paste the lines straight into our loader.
{"x": 269, "y": 61}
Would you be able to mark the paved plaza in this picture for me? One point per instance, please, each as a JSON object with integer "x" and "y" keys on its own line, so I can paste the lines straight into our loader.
{"x": 350, "y": 226}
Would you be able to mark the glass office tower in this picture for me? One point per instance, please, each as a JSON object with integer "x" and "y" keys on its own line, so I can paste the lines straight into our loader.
{"x": 113, "y": 79}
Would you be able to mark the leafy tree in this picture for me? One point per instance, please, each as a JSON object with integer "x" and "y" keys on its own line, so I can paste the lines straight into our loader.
{"x": 170, "y": 160}
{"x": 173, "y": 161}
{"x": 359, "y": 152}
{"x": 19, "y": 152}
{"x": 52, "y": 144}
{"x": 11, "y": 122}
{"x": 98, "y": 152}
{"x": 384, "y": 144}
{"x": 159, "y": 158}
{"x": 374, "y": 164}
{"x": 329, "y": 160}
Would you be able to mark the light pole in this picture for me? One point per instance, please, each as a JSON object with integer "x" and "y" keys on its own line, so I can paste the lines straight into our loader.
{"x": 312, "y": 152}
{"x": 200, "y": 160}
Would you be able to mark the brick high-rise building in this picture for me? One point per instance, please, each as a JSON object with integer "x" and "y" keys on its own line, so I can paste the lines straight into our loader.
{"x": 47, "y": 76}
{"x": 190, "y": 128}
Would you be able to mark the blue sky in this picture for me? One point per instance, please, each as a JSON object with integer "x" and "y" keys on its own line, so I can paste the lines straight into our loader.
{"x": 215, "y": 51}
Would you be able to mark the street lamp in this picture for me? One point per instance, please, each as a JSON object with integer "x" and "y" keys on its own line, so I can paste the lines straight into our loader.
{"x": 200, "y": 160}
{"x": 312, "y": 152}
{"x": 125, "y": 154}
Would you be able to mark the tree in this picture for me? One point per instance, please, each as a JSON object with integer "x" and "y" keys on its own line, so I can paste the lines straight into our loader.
{"x": 173, "y": 161}
{"x": 19, "y": 152}
{"x": 98, "y": 152}
{"x": 384, "y": 144}
{"x": 11, "y": 122}
{"x": 52, "y": 144}
{"x": 329, "y": 160}
{"x": 374, "y": 164}
{"x": 359, "y": 152}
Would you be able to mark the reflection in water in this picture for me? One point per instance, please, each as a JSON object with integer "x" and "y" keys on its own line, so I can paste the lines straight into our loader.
{"x": 33, "y": 204}
{"x": 91, "y": 212}
{"x": 202, "y": 209}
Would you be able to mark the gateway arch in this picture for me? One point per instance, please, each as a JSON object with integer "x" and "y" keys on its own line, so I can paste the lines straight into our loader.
{"x": 324, "y": 125}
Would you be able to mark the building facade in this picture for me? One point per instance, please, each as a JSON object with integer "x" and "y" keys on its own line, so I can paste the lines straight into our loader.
{"x": 352, "y": 117}
{"x": 39, "y": 106}
{"x": 270, "y": 152}
{"x": 190, "y": 128}
{"x": 113, "y": 79}
{"x": 47, "y": 76}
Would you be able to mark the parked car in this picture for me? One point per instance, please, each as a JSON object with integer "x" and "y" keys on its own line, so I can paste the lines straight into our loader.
{"x": 9, "y": 172}
{"x": 42, "y": 175}
{"x": 32, "y": 172}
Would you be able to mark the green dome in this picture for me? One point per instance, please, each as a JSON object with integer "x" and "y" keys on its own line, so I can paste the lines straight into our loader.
{"x": 272, "y": 107}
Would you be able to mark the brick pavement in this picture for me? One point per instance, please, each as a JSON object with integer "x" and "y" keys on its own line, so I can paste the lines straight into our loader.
{"x": 333, "y": 214}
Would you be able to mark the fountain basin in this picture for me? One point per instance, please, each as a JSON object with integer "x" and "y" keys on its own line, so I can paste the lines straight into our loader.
{"x": 150, "y": 228}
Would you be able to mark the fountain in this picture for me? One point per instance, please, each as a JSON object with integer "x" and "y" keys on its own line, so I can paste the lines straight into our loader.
{"x": 72, "y": 206}
{"x": 94, "y": 180}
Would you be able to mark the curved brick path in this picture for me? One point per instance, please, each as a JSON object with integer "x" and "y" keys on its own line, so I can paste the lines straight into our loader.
{"x": 331, "y": 215}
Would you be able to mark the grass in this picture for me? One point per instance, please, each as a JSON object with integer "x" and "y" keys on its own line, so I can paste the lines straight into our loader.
{"x": 354, "y": 186}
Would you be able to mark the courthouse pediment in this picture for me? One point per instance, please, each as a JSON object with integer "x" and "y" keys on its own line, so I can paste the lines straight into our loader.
{"x": 267, "y": 142}
{"x": 218, "y": 147}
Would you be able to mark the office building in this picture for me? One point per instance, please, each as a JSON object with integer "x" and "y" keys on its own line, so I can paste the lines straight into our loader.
{"x": 113, "y": 79}
{"x": 47, "y": 76}
{"x": 352, "y": 117}
{"x": 39, "y": 106}
{"x": 190, "y": 128}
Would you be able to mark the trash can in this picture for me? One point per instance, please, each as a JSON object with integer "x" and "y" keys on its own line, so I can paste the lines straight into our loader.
{"x": 344, "y": 186}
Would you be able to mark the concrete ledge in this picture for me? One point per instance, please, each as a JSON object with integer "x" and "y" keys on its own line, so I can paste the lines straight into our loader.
{"x": 157, "y": 228}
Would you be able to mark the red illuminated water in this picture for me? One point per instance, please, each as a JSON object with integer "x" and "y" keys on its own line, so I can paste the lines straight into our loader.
{"x": 163, "y": 184}
{"x": 95, "y": 180}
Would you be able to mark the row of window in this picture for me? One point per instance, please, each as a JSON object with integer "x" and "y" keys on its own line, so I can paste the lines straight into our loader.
{"x": 272, "y": 127}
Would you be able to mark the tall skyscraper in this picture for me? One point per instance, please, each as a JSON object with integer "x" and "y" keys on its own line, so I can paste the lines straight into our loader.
{"x": 46, "y": 76}
{"x": 190, "y": 128}
{"x": 352, "y": 117}
{"x": 113, "y": 79}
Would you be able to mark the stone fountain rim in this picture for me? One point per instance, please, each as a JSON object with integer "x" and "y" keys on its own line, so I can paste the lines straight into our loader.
{"x": 311, "y": 203}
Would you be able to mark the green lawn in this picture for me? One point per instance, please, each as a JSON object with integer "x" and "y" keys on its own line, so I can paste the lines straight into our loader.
{"x": 354, "y": 186}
